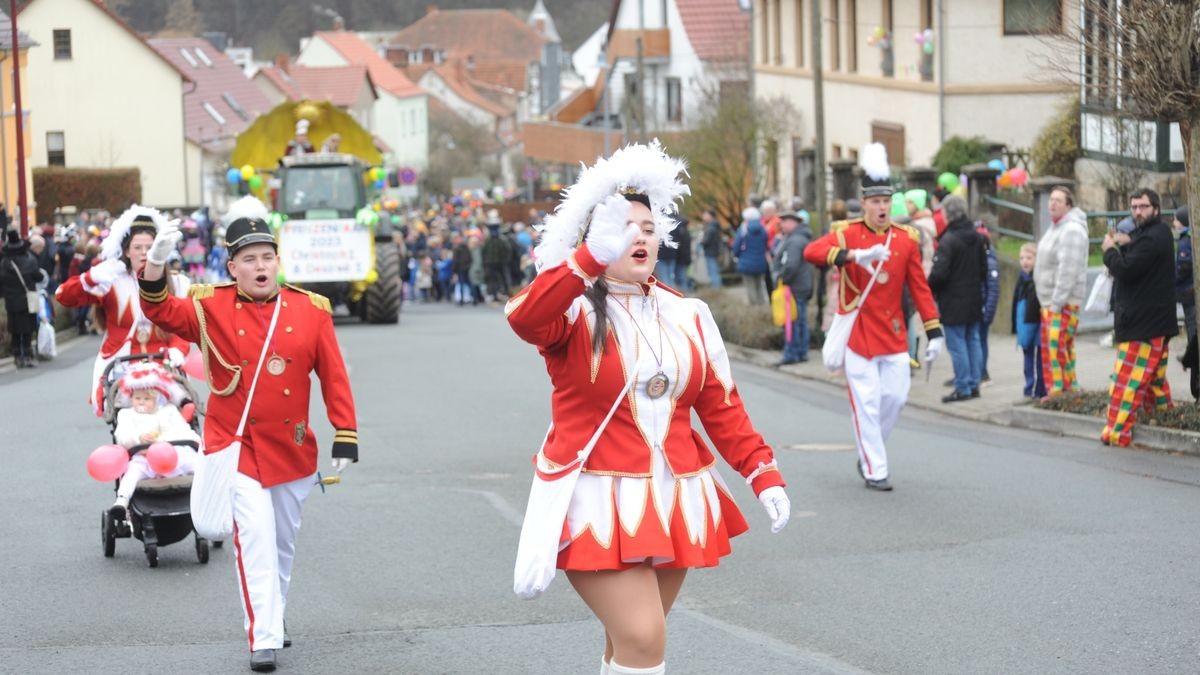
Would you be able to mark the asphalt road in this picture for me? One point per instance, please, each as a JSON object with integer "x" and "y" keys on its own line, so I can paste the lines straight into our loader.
{"x": 1000, "y": 551}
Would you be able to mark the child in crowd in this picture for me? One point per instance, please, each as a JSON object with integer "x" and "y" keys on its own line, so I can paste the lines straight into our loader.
{"x": 1026, "y": 318}
{"x": 424, "y": 277}
{"x": 149, "y": 418}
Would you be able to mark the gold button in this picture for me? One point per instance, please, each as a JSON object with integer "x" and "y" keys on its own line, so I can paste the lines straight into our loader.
{"x": 289, "y": 359}
{"x": 241, "y": 331}
{"x": 245, "y": 362}
{"x": 238, "y": 305}
{"x": 287, "y": 420}
{"x": 252, "y": 420}
{"x": 287, "y": 392}
{"x": 285, "y": 303}
{"x": 288, "y": 329}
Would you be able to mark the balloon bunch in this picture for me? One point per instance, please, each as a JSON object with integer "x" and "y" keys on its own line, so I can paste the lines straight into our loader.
{"x": 235, "y": 176}
{"x": 376, "y": 176}
{"x": 1009, "y": 178}
{"x": 925, "y": 40}
{"x": 880, "y": 38}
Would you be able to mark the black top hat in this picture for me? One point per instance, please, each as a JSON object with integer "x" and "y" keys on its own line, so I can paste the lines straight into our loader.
{"x": 876, "y": 187}
{"x": 13, "y": 241}
{"x": 245, "y": 231}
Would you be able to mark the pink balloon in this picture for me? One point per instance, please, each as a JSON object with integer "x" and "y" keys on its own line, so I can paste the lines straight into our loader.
{"x": 161, "y": 457}
{"x": 107, "y": 463}
{"x": 1019, "y": 176}
{"x": 193, "y": 365}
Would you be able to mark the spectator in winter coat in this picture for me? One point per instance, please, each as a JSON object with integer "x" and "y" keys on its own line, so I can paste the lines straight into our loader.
{"x": 1026, "y": 321}
{"x": 20, "y": 274}
{"x": 711, "y": 243}
{"x": 1060, "y": 275}
{"x": 991, "y": 297}
{"x": 959, "y": 270}
{"x": 750, "y": 249}
{"x": 463, "y": 292}
{"x": 1143, "y": 315}
{"x": 1184, "y": 292}
{"x": 683, "y": 256}
{"x": 797, "y": 274}
{"x": 668, "y": 256}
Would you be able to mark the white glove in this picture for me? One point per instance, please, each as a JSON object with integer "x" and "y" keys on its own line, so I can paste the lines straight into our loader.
{"x": 865, "y": 257}
{"x": 340, "y": 463}
{"x": 104, "y": 273}
{"x": 934, "y": 348}
{"x": 175, "y": 357}
{"x": 164, "y": 243}
{"x": 778, "y": 506}
{"x": 611, "y": 233}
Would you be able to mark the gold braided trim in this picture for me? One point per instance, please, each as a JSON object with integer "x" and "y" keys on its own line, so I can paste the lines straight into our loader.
{"x": 933, "y": 323}
{"x": 156, "y": 298}
{"x": 831, "y": 259}
{"x": 346, "y": 436}
{"x": 206, "y": 346}
{"x": 913, "y": 233}
{"x": 319, "y": 301}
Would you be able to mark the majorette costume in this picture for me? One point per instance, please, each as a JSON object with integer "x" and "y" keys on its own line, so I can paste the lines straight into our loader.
{"x": 126, "y": 328}
{"x": 278, "y": 460}
{"x": 877, "y": 360}
{"x": 650, "y": 489}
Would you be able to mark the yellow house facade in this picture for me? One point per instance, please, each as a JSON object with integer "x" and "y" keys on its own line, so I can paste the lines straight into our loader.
{"x": 8, "y": 137}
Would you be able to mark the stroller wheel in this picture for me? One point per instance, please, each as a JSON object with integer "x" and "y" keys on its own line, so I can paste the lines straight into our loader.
{"x": 108, "y": 534}
{"x": 152, "y": 554}
{"x": 202, "y": 550}
{"x": 218, "y": 543}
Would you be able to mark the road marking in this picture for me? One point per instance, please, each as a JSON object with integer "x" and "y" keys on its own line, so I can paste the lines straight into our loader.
{"x": 810, "y": 661}
{"x": 819, "y": 447}
{"x": 507, "y": 511}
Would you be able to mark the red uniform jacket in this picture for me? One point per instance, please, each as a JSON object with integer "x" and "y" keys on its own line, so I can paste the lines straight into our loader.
{"x": 278, "y": 445}
{"x": 120, "y": 306}
{"x": 880, "y": 328}
{"x": 553, "y": 315}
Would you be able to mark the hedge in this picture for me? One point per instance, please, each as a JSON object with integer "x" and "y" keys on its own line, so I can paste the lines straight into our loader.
{"x": 110, "y": 189}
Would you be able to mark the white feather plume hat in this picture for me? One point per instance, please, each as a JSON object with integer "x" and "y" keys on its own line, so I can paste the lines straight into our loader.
{"x": 634, "y": 169}
{"x": 145, "y": 216}
{"x": 876, "y": 178}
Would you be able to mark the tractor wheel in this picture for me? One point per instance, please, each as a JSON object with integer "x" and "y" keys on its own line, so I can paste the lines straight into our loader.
{"x": 382, "y": 298}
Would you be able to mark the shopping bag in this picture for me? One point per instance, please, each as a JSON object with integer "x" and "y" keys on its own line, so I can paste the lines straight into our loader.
{"x": 541, "y": 532}
{"x": 783, "y": 305}
{"x": 47, "y": 341}
{"x": 833, "y": 352}
{"x": 212, "y": 492}
{"x": 1101, "y": 294}
{"x": 33, "y": 301}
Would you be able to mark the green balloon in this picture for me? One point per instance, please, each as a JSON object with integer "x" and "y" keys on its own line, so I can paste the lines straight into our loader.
{"x": 395, "y": 219}
{"x": 255, "y": 182}
{"x": 280, "y": 277}
{"x": 948, "y": 181}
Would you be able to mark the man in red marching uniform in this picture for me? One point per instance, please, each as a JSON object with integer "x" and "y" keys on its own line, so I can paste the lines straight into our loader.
{"x": 278, "y": 463}
{"x": 877, "y": 362}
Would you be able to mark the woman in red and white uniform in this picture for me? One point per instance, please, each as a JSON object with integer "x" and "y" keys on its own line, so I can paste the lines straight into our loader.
{"x": 112, "y": 286}
{"x": 649, "y": 503}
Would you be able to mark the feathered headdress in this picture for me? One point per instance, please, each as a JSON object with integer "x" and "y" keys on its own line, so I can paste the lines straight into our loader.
{"x": 876, "y": 179}
{"x": 114, "y": 243}
{"x": 635, "y": 169}
{"x": 246, "y": 207}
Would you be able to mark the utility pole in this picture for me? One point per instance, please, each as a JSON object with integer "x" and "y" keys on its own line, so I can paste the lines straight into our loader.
{"x": 641, "y": 94}
{"x": 818, "y": 118}
{"x": 22, "y": 199}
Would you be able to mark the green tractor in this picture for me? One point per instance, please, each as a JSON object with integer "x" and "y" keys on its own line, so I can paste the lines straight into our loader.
{"x": 330, "y": 239}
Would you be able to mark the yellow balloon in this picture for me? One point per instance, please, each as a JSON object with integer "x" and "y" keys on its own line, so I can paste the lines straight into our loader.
{"x": 247, "y": 172}
{"x": 372, "y": 277}
{"x": 960, "y": 191}
{"x": 879, "y": 32}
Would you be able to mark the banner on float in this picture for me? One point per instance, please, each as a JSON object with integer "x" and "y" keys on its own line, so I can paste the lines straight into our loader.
{"x": 324, "y": 250}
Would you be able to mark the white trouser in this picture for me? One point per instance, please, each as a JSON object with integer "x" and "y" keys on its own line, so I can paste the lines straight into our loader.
{"x": 878, "y": 389}
{"x": 265, "y": 522}
{"x": 139, "y": 469}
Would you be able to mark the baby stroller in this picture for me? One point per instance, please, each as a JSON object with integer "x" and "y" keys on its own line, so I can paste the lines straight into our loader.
{"x": 159, "y": 512}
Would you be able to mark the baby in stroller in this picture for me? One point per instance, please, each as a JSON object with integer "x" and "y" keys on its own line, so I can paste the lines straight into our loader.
{"x": 146, "y": 415}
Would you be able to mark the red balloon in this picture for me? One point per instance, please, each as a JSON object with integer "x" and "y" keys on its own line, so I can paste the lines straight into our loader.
{"x": 1019, "y": 176}
{"x": 193, "y": 365}
{"x": 107, "y": 463}
{"x": 161, "y": 457}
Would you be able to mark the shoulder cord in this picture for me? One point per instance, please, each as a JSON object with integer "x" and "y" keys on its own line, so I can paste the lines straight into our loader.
{"x": 206, "y": 345}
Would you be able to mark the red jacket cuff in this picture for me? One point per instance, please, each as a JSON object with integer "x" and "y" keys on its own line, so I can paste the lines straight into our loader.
{"x": 588, "y": 263}
{"x": 767, "y": 479}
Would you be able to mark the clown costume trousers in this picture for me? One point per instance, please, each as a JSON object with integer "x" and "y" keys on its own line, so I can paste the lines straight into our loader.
{"x": 1058, "y": 348}
{"x": 265, "y": 523}
{"x": 878, "y": 389}
{"x": 1139, "y": 379}
{"x": 139, "y": 469}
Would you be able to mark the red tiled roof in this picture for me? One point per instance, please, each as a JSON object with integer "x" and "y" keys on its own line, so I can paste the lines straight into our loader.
{"x": 340, "y": 85}
{"x": 455, "y": 79}
{"x": 503, "y": 73}
{"x": 282, "y": 81}
{"x": 359, "y": 53}
{"x": 221, "y": 87}
{"x": 487, "y": 34}
{"x": 717, "y": 29}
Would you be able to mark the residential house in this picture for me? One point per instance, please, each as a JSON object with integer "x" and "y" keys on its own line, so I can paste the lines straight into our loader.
{"x": 105, "y": 98}
{"x": 347, "y": 87}
{"x": 221, "y": 104}
{"x": 401, "y": 110}
{"x": 693, "y": 52}
{"x": 455, "y": 91}
{"x": 8, "y": 135}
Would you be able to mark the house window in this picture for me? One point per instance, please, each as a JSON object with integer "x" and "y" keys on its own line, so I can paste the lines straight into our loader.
{"x": 926, "y": 14}
{"x": 62, "y": 44}
{"x": 765, "y": 31}
{"x": 777, "y": 32}
{"x": 771, "y": 165}
{"x": 799, "y": 34}
{"x": 427, "y": 55}
{"x": 235, "y": 106}
{"x": 56, "y": 148}
{"x": 212, "y": 112}
{"x": 891, "y": 136}
{"x": 835, "y": 47}
{"x": 674, "y": 100}
{"x": 852, "y": 36}
{"x": 1032, "y": 17}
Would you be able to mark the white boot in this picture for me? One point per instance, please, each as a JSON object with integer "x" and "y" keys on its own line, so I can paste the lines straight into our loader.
{"x": 617, "y": 669}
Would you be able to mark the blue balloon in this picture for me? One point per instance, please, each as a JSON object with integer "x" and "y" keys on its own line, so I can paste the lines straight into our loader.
{"x": 997, "y": 164}
{"x": 233, "y": 176}
{"x": 379, "y": 185}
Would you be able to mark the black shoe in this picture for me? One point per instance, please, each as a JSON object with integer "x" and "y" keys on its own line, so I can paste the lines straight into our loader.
{"x": 956, "y": 396}
{"x": 882, "y": 485}
{"x": 786, "y": 362}
{"x": 948, "y": 383}
{"x": 287, "y": 639}
{"x": 975, "y": 392}
{"x": 31, "y": 362}
{"x": 262, "y": 660}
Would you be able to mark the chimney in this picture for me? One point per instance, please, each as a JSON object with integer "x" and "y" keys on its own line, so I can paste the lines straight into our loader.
{"x": 282, "y": 62}
{"x": 470, "y": 63}
{"x": 430, "y": 9}
{"x": 339, "y": 24}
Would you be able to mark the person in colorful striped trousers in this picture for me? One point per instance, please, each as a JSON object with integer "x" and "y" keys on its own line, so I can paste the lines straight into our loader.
{"x": 1143, "y": 315}
{"x": 1060, "y": 277}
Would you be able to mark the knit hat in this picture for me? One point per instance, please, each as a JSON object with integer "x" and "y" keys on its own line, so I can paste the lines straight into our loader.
{"x": 1182, "y": 215}
{"x": 13, "y": 241}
